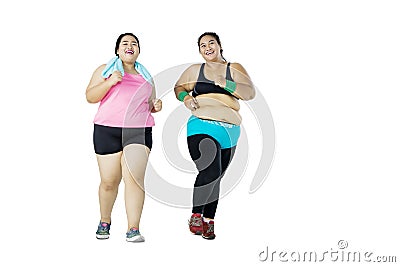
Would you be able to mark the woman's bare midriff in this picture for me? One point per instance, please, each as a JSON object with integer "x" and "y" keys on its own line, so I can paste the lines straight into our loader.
{"x": 218, "y": 107}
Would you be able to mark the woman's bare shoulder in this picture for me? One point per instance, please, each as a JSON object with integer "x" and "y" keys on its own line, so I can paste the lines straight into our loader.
{"x": 194, "y": 68}
{"x": 191, "y": 72}
{"x": 101, "y": 67}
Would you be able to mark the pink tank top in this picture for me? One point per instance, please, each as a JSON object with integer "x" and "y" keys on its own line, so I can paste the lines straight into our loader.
{"x": 126, "y": 104}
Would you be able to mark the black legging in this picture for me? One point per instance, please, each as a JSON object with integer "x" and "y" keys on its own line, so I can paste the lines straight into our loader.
{"x": 211, "y": 162}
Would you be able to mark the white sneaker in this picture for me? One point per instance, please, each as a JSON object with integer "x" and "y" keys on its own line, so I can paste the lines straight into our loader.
{"x": 134, "y": 236}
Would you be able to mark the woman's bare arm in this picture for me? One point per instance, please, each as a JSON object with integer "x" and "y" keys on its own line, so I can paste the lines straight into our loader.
{"x": 244, "y": 86}
{"x": 186, "y": 83}
{"x": 99, "y": 86}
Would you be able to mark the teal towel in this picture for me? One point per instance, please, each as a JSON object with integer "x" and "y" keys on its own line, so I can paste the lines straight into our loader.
{"x": 116, "y": 64}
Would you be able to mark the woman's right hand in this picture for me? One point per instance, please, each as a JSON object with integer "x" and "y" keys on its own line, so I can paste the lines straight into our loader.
{"x": 191, "y": 102}
{"x": 115, "y": 77}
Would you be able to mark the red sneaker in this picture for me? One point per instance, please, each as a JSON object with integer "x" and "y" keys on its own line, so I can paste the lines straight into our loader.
{"x": 196, "y": 224}
{"x": 208, "y": 230}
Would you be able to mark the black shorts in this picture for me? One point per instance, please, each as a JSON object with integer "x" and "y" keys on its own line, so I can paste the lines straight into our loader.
{"x": 109, "y": 140}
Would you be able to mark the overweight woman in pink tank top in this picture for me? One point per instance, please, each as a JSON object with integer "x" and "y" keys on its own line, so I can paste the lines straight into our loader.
{"x": 122, "y": 133}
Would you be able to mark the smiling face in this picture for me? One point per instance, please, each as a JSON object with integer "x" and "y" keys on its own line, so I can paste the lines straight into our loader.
{"x": 210, "y": 49}
{"x": 128, "y": 49}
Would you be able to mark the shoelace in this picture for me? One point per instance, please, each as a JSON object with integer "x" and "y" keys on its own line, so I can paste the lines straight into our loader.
{"x": 133, "y": 232}
{"x": 195, "y": 221}
{"x": 103, "y": 228}
{"x": 210, "y": 228}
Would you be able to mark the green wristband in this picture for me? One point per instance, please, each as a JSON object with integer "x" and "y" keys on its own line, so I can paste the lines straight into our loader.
{"x": 182, "y": 95}
{"x": 230, "y": 86}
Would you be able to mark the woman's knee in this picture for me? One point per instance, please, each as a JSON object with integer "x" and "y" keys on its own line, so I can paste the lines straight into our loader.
{"x": 208, "y": 178}
{"x": 110, "y": 185}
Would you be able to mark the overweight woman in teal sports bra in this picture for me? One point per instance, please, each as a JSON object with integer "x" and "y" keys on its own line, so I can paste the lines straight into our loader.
{"x": 211, "y": 92}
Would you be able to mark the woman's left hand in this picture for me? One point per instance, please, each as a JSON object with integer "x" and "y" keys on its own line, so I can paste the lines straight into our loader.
{"x": 157, "y": 105}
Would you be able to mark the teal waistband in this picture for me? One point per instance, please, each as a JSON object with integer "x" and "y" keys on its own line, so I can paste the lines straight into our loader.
{"x": 226, "y": 134}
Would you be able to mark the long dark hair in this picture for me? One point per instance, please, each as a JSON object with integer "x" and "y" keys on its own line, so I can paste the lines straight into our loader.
{"x": 120, "y": 38}
{"x": 213, "y": 34}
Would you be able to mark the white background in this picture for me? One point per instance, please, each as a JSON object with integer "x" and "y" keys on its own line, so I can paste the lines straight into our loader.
{"x": 329, "y": 71}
